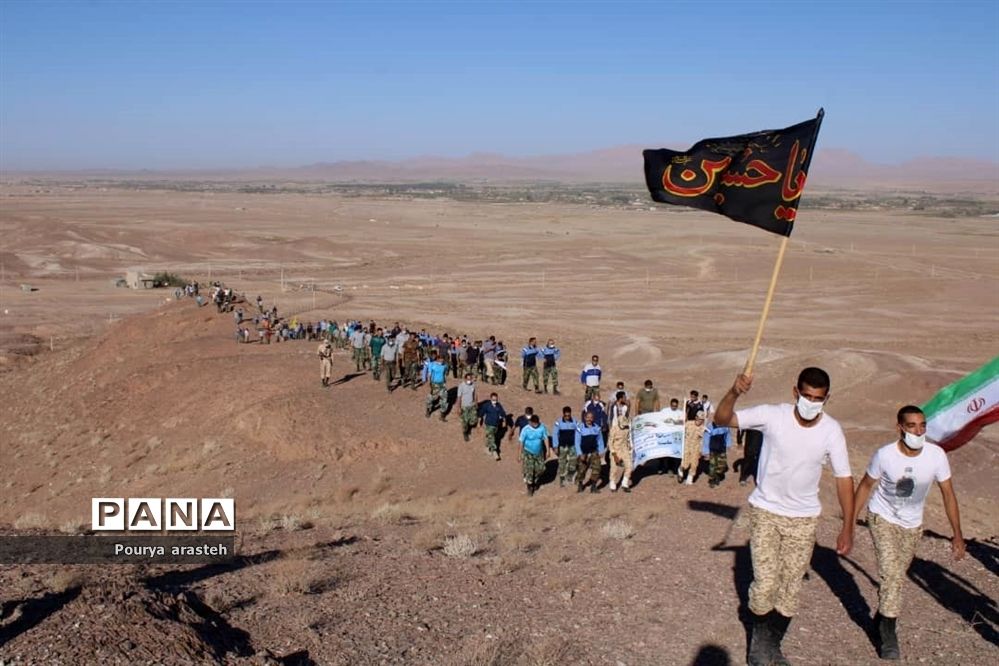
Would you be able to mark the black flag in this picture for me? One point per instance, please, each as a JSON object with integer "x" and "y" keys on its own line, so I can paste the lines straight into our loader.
{"x": 754, "y": 178}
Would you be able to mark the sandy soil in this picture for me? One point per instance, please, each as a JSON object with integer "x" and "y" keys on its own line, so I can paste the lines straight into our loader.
{"x": 346, "y": 497}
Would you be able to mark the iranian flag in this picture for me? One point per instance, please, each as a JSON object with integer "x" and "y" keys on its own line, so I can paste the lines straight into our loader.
{"x": 957, "y": 412}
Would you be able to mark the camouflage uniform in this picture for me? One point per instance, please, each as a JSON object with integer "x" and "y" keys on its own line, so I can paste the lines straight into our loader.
{"x": 567, "y": 462}
{"x": 529, "y": 374}
{"x": 438, "y": 394}
{"x": 588, "y": 462}
{"x": 620, "y": 450}
{"x": 411, "y": 363}
{"x": 325, "y": 363}
{"x": 534, "y": 468}
{"x": 492, "y": 438}
{"x": 469, "y": 417}
{"x": 781, "y": 548}
{"x": 550, "y": 374}
{"x": 895, "y": 546}
{"x": 717, "y": 466}
{"x": 693, "y": 435}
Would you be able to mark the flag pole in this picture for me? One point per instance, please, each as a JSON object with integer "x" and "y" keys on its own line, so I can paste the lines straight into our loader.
{"x": 751, "y": 361}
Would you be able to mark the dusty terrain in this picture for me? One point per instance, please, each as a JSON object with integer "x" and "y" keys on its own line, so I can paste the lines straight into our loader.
{"x": 351, "y": 504}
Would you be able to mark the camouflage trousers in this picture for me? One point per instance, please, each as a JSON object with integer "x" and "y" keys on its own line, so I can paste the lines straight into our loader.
{"x": 567, "y": 462}
{"x": 895, "y": 546}
{"x": 620, "y": 450}
{"x": 438, "y": 396}
{"x": 492, "y": 438}
{"x": 411, "y": 377}
{"x": 691, "y": 456}
{"x": 588, "y": 463}
{"x": 468, "y": 419}
{"x": 781, "y": 548}
{"x": 376, "y": 367}
{"x": 390, "y": 373}
{"x": 717, "y": 466}
{"x": 534, "y": 468}
{"x": 529, "y": 374}
{"x": 359, "y": 358}
{"x": 550, "y": 375}
{"x": 592, "y": 391}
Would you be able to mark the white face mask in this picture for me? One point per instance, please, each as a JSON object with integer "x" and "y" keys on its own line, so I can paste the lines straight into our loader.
{"x": 468, "y": 381}
{"x": 914, "y": 442}
{"x": 807, "y": 409}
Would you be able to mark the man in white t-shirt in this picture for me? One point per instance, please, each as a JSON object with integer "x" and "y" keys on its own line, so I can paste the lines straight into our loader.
{"x": 797, "y": 441}
{"x": 900, "y": 475}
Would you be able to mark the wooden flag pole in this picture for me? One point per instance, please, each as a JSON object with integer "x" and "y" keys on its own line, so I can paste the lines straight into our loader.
{"x": 748, "y": 370}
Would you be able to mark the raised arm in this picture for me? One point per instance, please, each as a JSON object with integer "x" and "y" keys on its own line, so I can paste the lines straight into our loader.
{"x": 725, "y": 412}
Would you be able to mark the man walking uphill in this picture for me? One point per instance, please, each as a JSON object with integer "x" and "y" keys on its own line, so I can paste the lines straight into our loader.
{"x": 549, "y": 372}
{"x": 785, "y": 505}
{"x": 900, "y": 475}
{"x": 529, "y": 356}
{"x": 325, "y": 362}
{"x": 493, "y": 416}
{"x": 436, "y": 372}
{"x": 468, "y": 405}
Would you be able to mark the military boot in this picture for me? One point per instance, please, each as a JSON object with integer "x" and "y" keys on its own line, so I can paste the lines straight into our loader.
{"x": 778, "y": 627}
{"x": 761, "y": 646}
{"x": 889, "y": 639}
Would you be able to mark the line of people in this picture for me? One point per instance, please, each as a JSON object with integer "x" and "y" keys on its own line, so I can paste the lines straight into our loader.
{"x": 791, "y": 443}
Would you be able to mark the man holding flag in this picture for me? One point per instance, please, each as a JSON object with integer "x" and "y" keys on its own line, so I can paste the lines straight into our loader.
{"x": 798, "y": 438}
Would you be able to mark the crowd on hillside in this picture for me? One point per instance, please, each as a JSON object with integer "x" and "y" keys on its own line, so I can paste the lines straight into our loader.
{"x": 583, "y": 445}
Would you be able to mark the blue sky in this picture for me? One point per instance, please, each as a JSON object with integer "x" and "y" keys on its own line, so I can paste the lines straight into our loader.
{"x": 193, "y": 84}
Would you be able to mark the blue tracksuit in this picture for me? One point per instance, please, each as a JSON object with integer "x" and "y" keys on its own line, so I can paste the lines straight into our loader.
{"x": 530, "y": 356}
{"x": 564, "y": 433}
{"x": 715, "y": 430}
{"x": 589, "y": 439}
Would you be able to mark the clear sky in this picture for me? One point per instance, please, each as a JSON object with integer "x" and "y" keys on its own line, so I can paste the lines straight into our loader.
{"x": 192, "y": 84}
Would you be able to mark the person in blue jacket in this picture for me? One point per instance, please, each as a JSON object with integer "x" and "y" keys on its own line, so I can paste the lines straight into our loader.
{"x": 437, "y": 373}
{"x": 717, "y": 440}
{"x": 564, "y": 443}
{"x": 494, "y": 417}
{"x": 590, "y": 451}
{"x": 533, "y": 452}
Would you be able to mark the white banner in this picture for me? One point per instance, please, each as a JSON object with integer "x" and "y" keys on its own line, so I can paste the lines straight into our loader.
{"x": 657, "y": 435}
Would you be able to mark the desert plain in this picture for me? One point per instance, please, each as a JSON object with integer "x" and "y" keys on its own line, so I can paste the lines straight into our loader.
{"x": 371, "y": 535}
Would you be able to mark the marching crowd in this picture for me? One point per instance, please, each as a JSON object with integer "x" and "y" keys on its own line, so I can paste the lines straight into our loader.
{"x": 786, "y": 448}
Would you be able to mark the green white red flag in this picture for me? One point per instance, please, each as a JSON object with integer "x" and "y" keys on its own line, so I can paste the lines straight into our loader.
{"x": 957, "y": 412}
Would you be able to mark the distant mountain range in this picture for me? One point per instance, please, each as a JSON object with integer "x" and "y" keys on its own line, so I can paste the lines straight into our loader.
{"x": 832, "y": 168}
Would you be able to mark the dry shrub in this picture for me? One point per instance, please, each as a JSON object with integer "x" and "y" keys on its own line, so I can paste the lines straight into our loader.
{"x": 553, "y": 652}
{"x": 520, "y": 542}
{"x": 460, "y": 546}
{"x": 31, "y": 521}
{"x": 489, "y": 653}
{"x": 428, "y": 538}
{"x": 296, "y": 576}
{"x": 72, "y": 527}
{"x": 391, "y": 513}
{"x": 618, "y": 529}
{"x": 503, "y": 565}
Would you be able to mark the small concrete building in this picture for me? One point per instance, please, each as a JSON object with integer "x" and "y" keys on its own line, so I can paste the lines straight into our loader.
{"x": 139, "y": 280}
